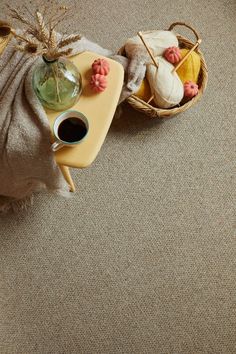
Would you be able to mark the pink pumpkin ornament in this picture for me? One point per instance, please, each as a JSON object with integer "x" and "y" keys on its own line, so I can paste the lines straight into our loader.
{"x": 98, "y": 82}
{"x": 101, "y": 66}
{"x": 190, "y": 89}
{"x": 172, "y": 55}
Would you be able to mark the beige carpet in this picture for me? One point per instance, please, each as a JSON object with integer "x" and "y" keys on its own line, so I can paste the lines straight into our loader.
{"x": 143, "y": 258}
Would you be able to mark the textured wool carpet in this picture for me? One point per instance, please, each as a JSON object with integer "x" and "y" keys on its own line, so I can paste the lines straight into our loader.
{"x": 142, "y": 259}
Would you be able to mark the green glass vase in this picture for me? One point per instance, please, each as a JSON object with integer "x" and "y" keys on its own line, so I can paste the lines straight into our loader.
{"x": 57, "y": 83}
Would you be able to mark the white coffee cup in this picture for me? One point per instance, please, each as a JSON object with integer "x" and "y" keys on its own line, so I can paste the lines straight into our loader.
{"x": 74, "y": 132}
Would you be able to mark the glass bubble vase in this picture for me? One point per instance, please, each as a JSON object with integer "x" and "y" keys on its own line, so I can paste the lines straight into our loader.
{"x": 57, "y": 83}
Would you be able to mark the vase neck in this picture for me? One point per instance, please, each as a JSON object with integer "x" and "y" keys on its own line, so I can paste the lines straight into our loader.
{"x": 49, "y": 61}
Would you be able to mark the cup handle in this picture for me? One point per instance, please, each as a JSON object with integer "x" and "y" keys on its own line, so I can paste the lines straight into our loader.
{"x": 57, "y": 145}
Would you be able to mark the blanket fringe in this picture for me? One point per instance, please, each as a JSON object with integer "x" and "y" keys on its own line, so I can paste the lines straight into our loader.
{"x": 12, "y": 205}
{"x": 15, "y": 206}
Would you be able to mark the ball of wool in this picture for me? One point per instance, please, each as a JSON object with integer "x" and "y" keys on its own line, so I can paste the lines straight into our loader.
{"x": 157, "y": 41}
{"x": 165, "y": 84}
{"x": 144, "y": 92}
{"x": 189, "y": 70}
{"x": 98, "y": 83}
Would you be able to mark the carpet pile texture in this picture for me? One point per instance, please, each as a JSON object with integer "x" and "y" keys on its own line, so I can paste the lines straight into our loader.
{"x": 142, "y": 259}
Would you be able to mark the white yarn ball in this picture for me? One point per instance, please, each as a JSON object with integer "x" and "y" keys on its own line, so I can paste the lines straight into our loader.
{"x": 157, "y": 41}
{"x": 166, "y": 86}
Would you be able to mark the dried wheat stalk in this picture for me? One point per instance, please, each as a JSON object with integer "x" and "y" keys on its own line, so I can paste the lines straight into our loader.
{"x": 40, "y": 36}
{"x": 42, "y": 30}
{"x": 70, "y": 39}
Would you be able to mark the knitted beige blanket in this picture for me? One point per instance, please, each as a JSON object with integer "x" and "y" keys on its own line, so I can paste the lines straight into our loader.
{"x": 26, "y": 161}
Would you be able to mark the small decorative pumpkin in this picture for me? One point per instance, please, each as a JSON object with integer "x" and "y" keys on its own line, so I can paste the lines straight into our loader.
{"x": 144, "y": 92}
{"x": 165, "y": 84}
{"x": 172, "y": 55}
{"x": 189, "y": 70}
{"x": 190, "y": 89}
{"x": 98, "y": 82}
{"x": 101, "y": 66}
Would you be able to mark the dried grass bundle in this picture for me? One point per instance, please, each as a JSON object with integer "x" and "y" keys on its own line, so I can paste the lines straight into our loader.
{"x": 40, "y": 36}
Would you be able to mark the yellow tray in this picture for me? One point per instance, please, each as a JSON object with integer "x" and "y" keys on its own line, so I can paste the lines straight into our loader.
{"x": 99, "y": 109}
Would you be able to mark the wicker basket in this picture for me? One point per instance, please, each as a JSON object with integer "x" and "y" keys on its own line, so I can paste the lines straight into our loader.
{"x": 155, "y": 112}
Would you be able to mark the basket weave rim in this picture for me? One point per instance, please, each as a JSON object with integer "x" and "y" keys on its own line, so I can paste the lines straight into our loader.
{"x": 145, "y": 107}
{"x": 184, "y": 24}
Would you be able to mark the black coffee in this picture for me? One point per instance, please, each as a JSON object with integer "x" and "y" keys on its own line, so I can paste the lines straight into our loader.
{"x": 72, "y": 129}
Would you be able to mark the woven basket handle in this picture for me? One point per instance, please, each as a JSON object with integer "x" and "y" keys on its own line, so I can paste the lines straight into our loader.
{"x": 185, "y": 25}
{"x": 192, "y": 49}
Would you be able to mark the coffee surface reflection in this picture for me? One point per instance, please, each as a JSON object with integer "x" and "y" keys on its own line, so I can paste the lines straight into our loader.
{"x": 72, "y": 129}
